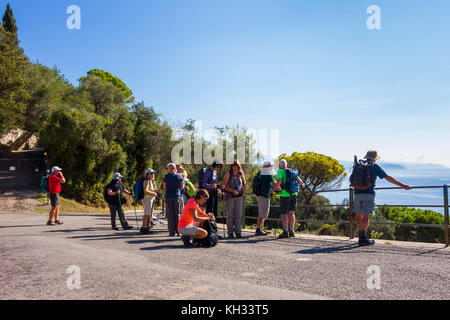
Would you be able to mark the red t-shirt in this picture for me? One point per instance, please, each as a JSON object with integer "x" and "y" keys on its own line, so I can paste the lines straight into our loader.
{"x": 54, "y": 185}
{"x": 186, "y": 218}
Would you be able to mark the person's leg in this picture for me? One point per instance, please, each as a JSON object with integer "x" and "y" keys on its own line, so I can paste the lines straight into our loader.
{"x": 176, "y": 216}
{"x": 57, "y": 213}
{"x": 146, "y": 202}
{"x": 237, "y": 212}
{"x": 209, "y": 203}
{"x": 150, "y": 218}
{"x": 200, "y": 234}
{"x": 292, "y": 209}
{"x": 366, "y": 207}
{"x": 123, "y": 220}
{"x": 51, "y": 215}
{"x": 112, "y": 211}
{"x": 170, "y": 212}
{"x": 229, "y": 210}
{"x": 214, "y": 202}
{"x": 284, "y": 210}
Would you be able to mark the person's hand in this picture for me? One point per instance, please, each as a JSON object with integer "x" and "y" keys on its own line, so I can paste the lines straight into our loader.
{"x": 155, "y": 195}
{"x": 214, "y": 186}
{"x": 196, "y": 185}
{"x": 235, "y": 193}
{"x": 271, "y": 191}
{"x": 406, "y": 187}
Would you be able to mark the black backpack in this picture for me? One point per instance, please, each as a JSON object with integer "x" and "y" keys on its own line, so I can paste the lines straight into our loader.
{"x": 256, "y": 184}
{"x": 212, "y": 239}
{"x": 106, "y": 196}
{"x": 361, "y": 178}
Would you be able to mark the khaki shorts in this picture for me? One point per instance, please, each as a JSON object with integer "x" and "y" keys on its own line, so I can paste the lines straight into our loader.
{"x": 148, "y": 206}
{"x": 364, "y": 203}
{"x": 263, "y": 207}
{"x": 188, "y": 231}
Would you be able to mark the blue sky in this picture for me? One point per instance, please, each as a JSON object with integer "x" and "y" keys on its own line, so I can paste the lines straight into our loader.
{"x": 311, "y": 69}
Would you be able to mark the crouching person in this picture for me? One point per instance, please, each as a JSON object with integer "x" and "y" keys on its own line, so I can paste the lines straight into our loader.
{"x": 192, "y": 217}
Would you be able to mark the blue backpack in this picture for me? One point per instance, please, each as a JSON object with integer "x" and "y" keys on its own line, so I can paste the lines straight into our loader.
{"x": 291, "y": 185}
{"x": 44, "y": 184}
{"x": 361, "y": 178}
{"x": 138, "y": 189}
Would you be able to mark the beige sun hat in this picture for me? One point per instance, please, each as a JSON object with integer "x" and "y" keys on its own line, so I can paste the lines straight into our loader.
{"x": 372, "y": 155}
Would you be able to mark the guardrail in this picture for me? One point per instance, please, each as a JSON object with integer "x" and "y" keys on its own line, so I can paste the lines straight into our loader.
{"x": 350, "y": 206}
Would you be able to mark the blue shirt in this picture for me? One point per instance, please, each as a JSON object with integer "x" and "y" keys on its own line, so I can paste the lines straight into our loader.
{"x": 210, "y": 178}
{"x": 375, "y": 172}
{"x": 173, "y": 185}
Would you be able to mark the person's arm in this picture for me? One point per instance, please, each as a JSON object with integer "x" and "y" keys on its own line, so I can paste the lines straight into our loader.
{"x": 205, "y": 183}
{"x": 244, "y": 184}
{"x": 398, "y": 183}
{"x": 197, "y": 217}
{"x": 226, "y": 178}
{"x": 165, "y": 186}
{"x": 63, "y": 180}
{"x": 113, "y": 193}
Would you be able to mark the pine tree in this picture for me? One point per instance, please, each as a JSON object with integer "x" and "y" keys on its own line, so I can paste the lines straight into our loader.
{"x": 14, "y": 66}
{"x": 9, "y": 23}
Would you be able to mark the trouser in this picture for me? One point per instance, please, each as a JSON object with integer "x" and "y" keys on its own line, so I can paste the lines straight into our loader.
{"x": 172, "y": 213}
{"x": 114, "y": 209}
{"x": 211, "y": 203}
{"x": 234, "y": 215}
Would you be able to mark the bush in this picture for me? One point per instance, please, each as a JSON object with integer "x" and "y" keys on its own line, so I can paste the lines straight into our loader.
{"x": 328, "y": 230}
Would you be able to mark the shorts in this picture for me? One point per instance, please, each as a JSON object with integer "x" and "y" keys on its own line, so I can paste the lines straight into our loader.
{"x": 188, "y": 231}
{"x": 148, "y": 206}
{"x": 263, "y": 207}
{"x": 288, "y": 204}
{"x": 54, "y": 199}
{"x": 364, "y": 203}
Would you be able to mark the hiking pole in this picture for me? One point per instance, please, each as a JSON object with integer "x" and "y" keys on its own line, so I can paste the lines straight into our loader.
{"x": 135, "y": 213}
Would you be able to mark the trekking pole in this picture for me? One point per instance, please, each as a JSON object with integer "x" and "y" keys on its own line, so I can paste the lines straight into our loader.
{"x": 135, "y": 213}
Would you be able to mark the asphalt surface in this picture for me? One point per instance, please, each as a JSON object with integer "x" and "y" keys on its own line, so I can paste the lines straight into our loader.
{"x": 34, "y": 260}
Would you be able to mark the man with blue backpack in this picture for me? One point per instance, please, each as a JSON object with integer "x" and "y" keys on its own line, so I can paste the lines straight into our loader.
{"x": 363, "y": 179}
{"x": 290, "y": 183}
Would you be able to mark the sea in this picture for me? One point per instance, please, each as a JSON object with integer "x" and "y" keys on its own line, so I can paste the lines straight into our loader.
{"x": 412, "y": 177}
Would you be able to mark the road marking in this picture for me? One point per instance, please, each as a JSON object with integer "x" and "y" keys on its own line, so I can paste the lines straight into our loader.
{"x": 303, "y": 259}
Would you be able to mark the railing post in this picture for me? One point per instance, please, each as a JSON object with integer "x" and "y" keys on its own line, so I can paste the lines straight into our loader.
{"x": 446, "y": 215}
{"x": 351, "y": 204}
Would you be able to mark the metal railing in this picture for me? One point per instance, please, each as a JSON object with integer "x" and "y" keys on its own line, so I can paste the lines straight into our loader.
{"x": 350, "y": 206}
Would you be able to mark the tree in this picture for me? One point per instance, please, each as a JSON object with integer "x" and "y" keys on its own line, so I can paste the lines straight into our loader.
{"x": 9, "y": 23}
{"x": 13, "y": 93}
{"x": 103, "y": 95}
{"x": 318, "y": 172}
{"x": 115, "y": 81}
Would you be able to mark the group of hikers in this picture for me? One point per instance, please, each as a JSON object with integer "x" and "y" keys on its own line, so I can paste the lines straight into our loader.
{"x": 198, "y": 202}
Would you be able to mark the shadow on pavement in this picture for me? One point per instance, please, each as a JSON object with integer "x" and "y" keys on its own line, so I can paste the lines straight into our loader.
{"x": 328, "y": 249}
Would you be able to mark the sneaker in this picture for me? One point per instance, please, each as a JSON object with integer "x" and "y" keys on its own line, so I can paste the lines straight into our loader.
{"x": 291, "y": 234}
{"x": 187, "y": 241}
{"x": 171, "y": 234}
{"x": 115, "y": 228}
{"x": 238, "y": 236}
{"x": 49, "y": 223}
{"x": 59, "y": 222}
{"x": 230, "y": 236}
{"x": 283, "y": 235}
{"x": 128, "y": 228}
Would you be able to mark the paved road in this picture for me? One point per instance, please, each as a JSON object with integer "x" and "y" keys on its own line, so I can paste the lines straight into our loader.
{"x": 34, "y": 259}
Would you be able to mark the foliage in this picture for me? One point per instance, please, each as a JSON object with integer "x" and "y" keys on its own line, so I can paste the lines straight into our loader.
{"x": 116, "y": 82}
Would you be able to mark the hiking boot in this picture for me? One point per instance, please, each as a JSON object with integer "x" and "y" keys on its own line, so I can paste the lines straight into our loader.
{"x": 145, "y": 230}
{"x": 365, "y": 242}
{"x": 187, "y": 241}
{"x": 115, "y": 228}
{"x": 260, "y": 233}
{"x": 283, "y": 235}
{"x": 230, "y": 236}
{"x": 291, "y": 234}
{"x": 49, "y": 223}
{"x": 59, "y": 222}
{"x": 238, "y": 236}
{"x": 128, "y": 228}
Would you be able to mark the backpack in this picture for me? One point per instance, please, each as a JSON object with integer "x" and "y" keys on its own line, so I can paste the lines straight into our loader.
{"x": 138, "y": 189}
{"x": 256, "y": 184}
{"x": 291, "y": 185}
{"x": 106, "y": 196}
{"x": 200, "y": 176}
{"x": 192, "y": 189}
{"x": 361, "y": 178}
{"x": 212, "y": 239}
{"x": 44, "y": 184}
